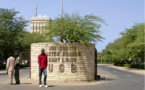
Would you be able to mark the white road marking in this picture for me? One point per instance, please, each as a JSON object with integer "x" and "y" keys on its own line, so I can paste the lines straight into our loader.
{"x": 128, "y": 75}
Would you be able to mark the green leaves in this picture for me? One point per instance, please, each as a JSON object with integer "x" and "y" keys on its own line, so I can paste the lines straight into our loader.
{"x": 11, "y": 29}
{"x": 74, "y": 28}
{"x": 130, "y": 45}
{"x": 32, "y": 38}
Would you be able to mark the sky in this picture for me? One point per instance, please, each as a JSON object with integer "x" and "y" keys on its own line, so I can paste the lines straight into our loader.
{"x": 118, "y": 14}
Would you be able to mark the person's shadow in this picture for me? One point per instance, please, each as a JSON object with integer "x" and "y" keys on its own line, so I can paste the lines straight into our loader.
{"x": 22, "y": 83}
{"x": 51, "y": 85}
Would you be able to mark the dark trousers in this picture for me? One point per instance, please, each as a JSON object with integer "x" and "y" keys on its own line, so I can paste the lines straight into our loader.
{"x": 42, "y": 70}
{"x": 17, "y": 67}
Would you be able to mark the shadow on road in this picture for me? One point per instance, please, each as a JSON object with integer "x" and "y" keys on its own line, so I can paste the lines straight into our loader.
{"x": 105, "y": 79}
{"x": 22, "y": 83}
{"x": 26, "y": 83}
{"x": 51, "y": 85}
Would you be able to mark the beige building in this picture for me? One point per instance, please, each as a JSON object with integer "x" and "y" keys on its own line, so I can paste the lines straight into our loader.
{"x": 37, "y": 24}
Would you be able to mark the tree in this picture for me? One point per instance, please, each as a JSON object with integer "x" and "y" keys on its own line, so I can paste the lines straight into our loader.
{"x": 135, "y": 42}
{"x": 26, "y": 41}
{"x": 11, "y": 28}
{"x": 130, "y": 47}
{"x": 75, "y": 28}
{"x": 29, "y": 38}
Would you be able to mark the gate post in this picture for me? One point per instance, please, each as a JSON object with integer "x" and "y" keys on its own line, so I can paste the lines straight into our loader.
{"x": 30, "y": 62}
{"x": 95, "y": 64}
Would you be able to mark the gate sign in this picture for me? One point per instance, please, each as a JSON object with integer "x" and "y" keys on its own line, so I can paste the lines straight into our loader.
{"x": 66, "y": 61}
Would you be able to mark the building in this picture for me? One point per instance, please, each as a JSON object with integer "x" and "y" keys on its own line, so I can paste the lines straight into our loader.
{"x": 37, "y": 24}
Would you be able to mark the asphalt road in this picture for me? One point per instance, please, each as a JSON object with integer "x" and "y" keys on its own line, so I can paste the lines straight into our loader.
{"x": 4, "y": 76}
{"x": 114, "y": 80}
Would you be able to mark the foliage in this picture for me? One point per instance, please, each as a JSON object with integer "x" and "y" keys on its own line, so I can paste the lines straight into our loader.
{"x": 129, "y": 48}
{"x": 75, "y": 28}
{"x": 24, "y": 65}
{"x": 104, "y": 61}
{"x": 13, "y": 36}
{"x": 138, "y": 66}
{"x": 3, "y": 66}
{"x": 11, "y": 28}
{"x": 101, "y": 59}
{"x": 29, "y": 38}
{"x": 99, "y": 55}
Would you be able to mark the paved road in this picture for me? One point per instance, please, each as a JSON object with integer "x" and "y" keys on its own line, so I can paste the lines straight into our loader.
{"x": 115, "y": 80}
{"x": 24, "y": 73}
{"x": 120, "y": 80}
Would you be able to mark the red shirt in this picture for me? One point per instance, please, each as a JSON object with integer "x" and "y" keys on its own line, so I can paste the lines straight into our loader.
{"x": 42, "y": 61}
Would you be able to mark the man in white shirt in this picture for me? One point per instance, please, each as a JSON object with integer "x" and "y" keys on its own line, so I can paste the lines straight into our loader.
{"x": 10, "y": 67}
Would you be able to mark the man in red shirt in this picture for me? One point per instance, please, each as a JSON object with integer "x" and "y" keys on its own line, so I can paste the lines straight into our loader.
{"x": 42, "y": 61}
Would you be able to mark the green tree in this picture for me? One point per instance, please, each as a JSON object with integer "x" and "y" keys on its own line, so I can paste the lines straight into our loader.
{"x": 29, "y": 38}
{"x": 130, "y": 47}
{"x": 11, "y": 28}
{"x": 134, "y": 42}
{"x": 75, "y": 28}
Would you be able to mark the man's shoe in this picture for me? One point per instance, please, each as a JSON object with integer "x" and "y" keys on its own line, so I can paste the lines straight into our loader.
{"x": 17, "y": 83}
{"x": 40, "y": 85}
{"x": 45, "y": 86}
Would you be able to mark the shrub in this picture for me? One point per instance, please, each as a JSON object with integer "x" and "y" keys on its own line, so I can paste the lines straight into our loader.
{"x": 24, "y": 65}
{"x": 2, "y": 66}
{"x": 138, "y": 66}
{"x": 126, "y": 65}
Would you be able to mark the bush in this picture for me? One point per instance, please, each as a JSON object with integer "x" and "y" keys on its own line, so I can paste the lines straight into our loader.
{"x": 126, "y": 65}
{"x": 24, "y": 65}
{"x": 104, "y": 61}
{"x": 3, "y": 66}
{"x": 138, "y": 66}
{"x": 118, "y": 64}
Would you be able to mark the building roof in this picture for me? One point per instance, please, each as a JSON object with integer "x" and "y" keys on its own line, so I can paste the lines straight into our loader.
{"x": 40, "y": 18}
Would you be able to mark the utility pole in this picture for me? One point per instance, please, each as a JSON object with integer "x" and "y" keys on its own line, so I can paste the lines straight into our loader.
{"x": 61, "y": 8}
{"x": 62, "y": 18}
{"x": 101, "y": 55}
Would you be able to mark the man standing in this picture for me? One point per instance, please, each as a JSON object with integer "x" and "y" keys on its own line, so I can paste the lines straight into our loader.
{"x": 17, "y": 67}
{"x": 10, "y": 67}
{"x": 42, "y": 61}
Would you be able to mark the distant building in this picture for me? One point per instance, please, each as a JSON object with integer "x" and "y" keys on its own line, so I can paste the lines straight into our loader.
{"x": 37, "y": 24}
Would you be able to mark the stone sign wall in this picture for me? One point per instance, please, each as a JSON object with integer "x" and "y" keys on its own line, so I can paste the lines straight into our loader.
{"x": 66, "y": 61}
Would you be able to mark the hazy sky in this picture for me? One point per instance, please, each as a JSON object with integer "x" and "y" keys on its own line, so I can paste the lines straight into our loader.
{"x": 118, "y": 14}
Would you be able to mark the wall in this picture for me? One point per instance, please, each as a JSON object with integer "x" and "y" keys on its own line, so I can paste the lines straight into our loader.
{"x": 66, "y": 62}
